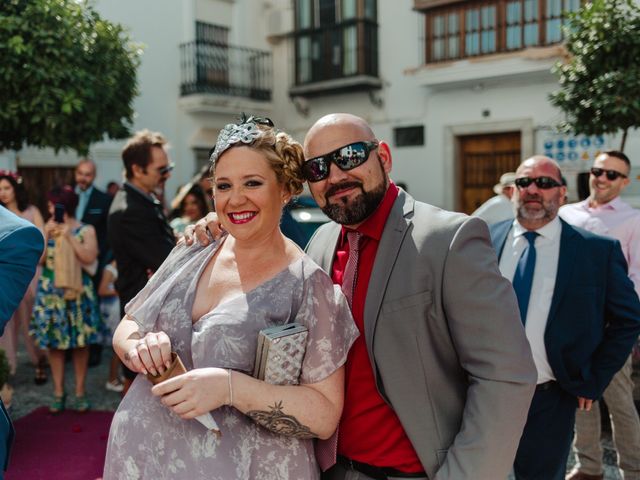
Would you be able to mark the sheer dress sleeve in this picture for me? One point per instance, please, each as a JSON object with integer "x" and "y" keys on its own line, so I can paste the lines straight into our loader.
{"x": 145, "y": 307}
{"x": 332, "y": 331}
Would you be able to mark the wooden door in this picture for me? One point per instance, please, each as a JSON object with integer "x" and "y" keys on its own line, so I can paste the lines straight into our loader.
{"x": 39, "y": 180}
{"x": 483, "y": 158}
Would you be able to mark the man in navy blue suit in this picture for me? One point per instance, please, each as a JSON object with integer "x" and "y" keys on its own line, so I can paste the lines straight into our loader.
{"x": 579, "y": 308}
{"x": 21, "y": 245}
{"x": 93, "y": 209}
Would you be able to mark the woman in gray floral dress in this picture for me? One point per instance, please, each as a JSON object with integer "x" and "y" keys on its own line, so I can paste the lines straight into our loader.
{"x": 208, "y": 305}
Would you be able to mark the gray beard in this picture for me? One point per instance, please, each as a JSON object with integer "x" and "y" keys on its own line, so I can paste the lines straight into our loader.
{"x": 547, "y": 213}
{"x": 346, "y": 212}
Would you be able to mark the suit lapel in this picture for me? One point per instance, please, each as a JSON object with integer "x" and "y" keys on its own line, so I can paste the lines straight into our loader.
{"x": 329, "y": 253}
{"x": 394, "y": 232}
{"x": 499, "y": 234}
{"x": 568, "y": 251}
{"x": 89, "y": 205}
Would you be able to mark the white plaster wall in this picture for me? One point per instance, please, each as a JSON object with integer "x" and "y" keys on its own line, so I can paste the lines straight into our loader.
{"x": 429, "y": 170}
{"x": 511, "y": 107}
{"x": 162, "y": 25}
{"x": 217, "y": 12}
{"x": 519, "y": 104}
{"x": 159, "y": 25}
{"x": 404, "y": 101}
{"x": 460, "y": 111}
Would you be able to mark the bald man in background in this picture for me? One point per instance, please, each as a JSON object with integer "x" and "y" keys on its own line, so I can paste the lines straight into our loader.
{"x": 579, "y": 308}
{"x": 432, "y": 391}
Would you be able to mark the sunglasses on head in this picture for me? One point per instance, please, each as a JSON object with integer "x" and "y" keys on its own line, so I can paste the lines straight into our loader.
{"x": 611, "y": 174}
{"x": 167, "y": 169}
{"x": 544, "y": 183}
{"x": 345, "y": 158}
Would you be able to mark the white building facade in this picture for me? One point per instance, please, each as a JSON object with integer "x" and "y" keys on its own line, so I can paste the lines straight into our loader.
{"x": 459, "y": 89}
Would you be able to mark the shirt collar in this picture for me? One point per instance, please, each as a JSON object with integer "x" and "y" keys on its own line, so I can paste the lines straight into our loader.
{"x": 86, "y": 192}
{"x": 143, "y": 193}
{"x": 616, "y": 204}
{"x": 550, "y": 231}
{"x": 374, "y": 225}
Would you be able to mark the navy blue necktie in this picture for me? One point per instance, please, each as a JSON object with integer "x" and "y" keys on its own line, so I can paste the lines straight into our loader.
{"x": 523, "y": 278}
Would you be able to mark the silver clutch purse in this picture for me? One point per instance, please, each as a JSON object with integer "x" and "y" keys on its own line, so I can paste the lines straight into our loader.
{"x": 280, "y": 353}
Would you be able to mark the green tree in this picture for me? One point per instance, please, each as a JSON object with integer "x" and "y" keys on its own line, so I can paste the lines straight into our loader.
{"x": 67, "y": 77}
{"x": 600, "y": 80}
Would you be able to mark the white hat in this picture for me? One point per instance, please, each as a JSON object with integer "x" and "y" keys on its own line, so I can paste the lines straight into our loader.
{"x": 506, "y": 180}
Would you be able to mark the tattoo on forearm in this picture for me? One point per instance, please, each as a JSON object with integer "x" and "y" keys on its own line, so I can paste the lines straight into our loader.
{"x": 279, "y": 422}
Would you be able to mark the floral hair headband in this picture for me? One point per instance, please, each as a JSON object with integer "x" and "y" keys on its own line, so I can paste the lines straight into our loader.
{"x": 8, "y": 173}
{"x": 244, "y": 132}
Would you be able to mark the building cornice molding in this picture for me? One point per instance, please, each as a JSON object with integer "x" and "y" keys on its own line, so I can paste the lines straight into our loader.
{"x": 424, "y": 5}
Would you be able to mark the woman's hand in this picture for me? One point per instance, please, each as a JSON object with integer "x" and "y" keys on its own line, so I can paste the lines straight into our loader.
{"x": 63, "y": 230}
{"x": 151, "y": 353}
{"x": 209, "y": 225}
{"x": 50, "y": 228}
{"x": 196, "y": 392}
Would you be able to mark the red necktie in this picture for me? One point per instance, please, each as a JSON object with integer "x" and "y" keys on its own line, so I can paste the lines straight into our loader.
{"x": 327, "y": 450}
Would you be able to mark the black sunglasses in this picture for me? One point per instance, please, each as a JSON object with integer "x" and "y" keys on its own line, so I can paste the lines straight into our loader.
{"x": 166, "y": 169}
{"x": 544, "y": 183}
{"x": 345, "y": 158}
{"x": 611, "y": 174}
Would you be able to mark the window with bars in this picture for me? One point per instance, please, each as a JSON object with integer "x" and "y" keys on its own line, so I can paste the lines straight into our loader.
{"x": 484, "y": 27}
{"x": 212, "y": 47}
{"x": 409, "y": 136}
{"x": 214, "y": 34}
{"x": 335, "y": 39}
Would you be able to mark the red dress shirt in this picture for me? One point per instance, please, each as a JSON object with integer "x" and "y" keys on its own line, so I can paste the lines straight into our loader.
{"x": 370, "y": 431}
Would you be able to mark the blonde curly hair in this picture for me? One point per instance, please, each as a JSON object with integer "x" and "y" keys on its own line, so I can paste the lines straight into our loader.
{"x": 283, "y": 153}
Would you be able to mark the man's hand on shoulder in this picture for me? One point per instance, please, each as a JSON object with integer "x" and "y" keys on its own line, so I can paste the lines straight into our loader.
{"x": 204, "y": 231}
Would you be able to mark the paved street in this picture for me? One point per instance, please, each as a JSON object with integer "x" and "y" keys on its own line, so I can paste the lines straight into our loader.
{"x": 29, "y": 396}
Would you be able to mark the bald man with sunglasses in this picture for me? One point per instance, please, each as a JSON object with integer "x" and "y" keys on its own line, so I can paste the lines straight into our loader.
{"x": 605, "y": 213}
{"x": 579, "y": 309}
{"x": 432, "y": 390}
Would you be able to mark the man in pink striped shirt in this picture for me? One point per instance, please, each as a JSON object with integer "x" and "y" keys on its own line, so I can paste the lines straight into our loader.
{"x": 605, "y": 213}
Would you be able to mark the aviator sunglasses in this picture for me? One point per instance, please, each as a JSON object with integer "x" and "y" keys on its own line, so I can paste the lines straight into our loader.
{"x": 544, "y": 183}
{"x": 167, "y": 169}
{"x": 611, "y": 174}
{"x": 345, "y": 158}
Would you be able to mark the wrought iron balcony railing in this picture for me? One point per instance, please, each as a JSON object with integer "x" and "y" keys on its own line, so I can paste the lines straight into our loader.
{"x": 225, "y": 70}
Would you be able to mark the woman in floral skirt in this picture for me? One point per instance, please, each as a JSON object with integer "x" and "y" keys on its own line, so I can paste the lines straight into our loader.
{"x": 66, "y": 315}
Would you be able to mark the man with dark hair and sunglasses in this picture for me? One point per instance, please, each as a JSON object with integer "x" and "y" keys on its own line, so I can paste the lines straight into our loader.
{"x": 579, "y": 308}
{"x": 432, "y": 389}
{"x": 139, "y": 233}
{"x": 605, "y": 213}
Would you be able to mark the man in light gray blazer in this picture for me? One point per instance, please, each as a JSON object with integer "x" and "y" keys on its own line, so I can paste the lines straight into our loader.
{"x": 439, "y": 384}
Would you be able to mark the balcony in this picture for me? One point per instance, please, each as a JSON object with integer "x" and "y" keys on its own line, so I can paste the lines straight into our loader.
{"x": 224, "y": 70}
{"x": 335, "y": 59}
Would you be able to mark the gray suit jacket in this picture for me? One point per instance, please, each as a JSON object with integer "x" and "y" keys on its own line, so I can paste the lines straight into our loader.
{"x": 443, "y": 331}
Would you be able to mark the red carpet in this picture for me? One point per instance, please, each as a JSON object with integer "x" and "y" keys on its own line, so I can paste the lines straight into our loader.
{"x": 67, "y": 446}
